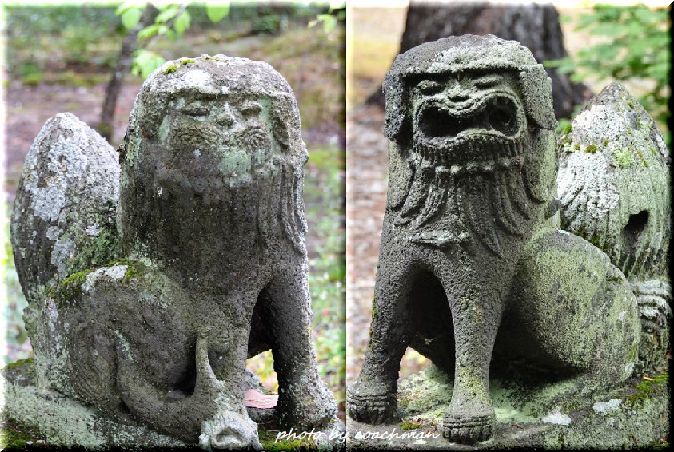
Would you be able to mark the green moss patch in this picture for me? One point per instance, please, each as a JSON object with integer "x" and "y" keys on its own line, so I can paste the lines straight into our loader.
{"x": 623, "y": 158}
{"x": 270, "y": 443}
{"x": 647, "y": 388}
{"x": 70, "y": 288}
{"x": 591, "y": 149}
{"x": 134, "y": 269}
{"x": 409, "y": 425}
{"x": 14, "y": 436}
{"x": 173, "y": 67}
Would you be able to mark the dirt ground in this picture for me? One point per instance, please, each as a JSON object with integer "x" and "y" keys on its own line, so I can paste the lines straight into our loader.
{"x": 374, "y": 43}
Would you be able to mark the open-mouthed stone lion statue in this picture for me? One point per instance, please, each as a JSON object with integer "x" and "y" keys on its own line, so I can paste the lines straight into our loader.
{"x": 205, "y": 219}
{"x": 470, "y": 243}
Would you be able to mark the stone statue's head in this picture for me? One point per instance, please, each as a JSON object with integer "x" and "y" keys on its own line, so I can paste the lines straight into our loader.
{"x": 230, "y": 116}
{"x": 448, "y": 93}
{"x": 207, "y": 138}
{"x": 470, "y": 118}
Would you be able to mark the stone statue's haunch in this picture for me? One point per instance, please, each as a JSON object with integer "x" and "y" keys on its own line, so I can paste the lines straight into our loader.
{"x": 211, "y": 262}
{"x": 470, "y": 243}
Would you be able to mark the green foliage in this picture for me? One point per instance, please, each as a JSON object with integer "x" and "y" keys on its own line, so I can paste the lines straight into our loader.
{"x": 409, "y": 425}
{"x": 10, "y": 438}
{"x": 324, "y": 193}
{"x": 635, "y": 46}
{"x": 335, "y": 15}
{"x": 269, "y": 441}
{"x": 145, "y": 62}
{"x": 45, "y": 42}
{"x": 172, "y": 21}
{"x": 648, "y": 387}
{"x": 217, "y": 11}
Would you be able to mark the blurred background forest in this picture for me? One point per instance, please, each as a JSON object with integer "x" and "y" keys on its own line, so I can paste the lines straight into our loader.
{"x": 61, "y": 58}
{"x": 584, "y": 49}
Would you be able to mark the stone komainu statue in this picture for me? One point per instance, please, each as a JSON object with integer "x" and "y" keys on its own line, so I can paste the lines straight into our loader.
{"x": 471, "y": 244}
{"x": 149, "y": 285}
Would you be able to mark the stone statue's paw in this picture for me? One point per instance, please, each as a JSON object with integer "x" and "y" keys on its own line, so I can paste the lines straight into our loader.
{"x": 467, "y": 430}
{"x": 229, "y": 430}
{"x": 313, "y": 406}
{"x": 372, "y": 404}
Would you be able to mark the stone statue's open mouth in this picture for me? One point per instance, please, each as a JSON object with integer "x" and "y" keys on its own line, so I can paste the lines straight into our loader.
{"x": 496, "y": 116}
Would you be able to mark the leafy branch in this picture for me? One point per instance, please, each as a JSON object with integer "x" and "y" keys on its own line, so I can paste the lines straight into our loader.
{"x": 635, "y": 46}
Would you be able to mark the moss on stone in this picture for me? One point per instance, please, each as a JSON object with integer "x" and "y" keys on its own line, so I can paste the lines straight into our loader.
{"x": 71, "y": 287}
{"x": 644, "y": 162}
{"x": 174, "y": 66}
{"x": 647, "y": 388}
{"x": 12, "y": 439}
{"x": 101, "y": 249}
{"x": 134, "y": 268}
{"x": 16, "y": 436}
{"x": 19, "y": 363}
{"x": 409, "y": 425}
{"x": 623, "y": 158}
{"x": 270, "y": 443}
{"x": 591, "y": 149}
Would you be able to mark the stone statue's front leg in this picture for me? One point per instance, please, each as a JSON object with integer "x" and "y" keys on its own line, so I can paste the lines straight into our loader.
{"x": 373, "y": 397}
{"x": 476, "y": 318}
{"x": 304, "y": 401}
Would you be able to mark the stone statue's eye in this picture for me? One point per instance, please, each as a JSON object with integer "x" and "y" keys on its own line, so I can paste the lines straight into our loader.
{"x": 250, "y": 109}
{"x": 487, "y": 81}
{"x": 194, "y": 110}
{"x": 429, "y": 86}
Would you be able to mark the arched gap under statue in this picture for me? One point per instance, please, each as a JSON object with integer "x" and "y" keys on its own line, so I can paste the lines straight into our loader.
{"x": 261, "y": 343}
{"x": 432, "y": 332}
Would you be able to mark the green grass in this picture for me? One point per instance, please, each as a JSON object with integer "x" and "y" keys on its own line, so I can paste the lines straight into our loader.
{"x": 324, "y": 195}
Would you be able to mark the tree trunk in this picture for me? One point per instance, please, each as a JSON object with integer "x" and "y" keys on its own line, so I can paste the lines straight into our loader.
{"x": 106, "y": 126}
{"x": 534, "y": 26}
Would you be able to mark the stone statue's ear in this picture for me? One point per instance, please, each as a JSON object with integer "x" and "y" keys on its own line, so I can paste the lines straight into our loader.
{"x": 397, "y": 118}
{"x": 537, "y": 92}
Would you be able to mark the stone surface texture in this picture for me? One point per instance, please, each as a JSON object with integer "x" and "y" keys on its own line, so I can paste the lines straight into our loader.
{"x": 471, "y": 244}
{"x": 210, "y": 265}
{"x": 615, "y": 191}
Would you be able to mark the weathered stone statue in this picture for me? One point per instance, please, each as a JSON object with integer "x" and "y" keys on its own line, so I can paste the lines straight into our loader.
{"x": 471, "y": 244}
{"x": 153, "y": 317}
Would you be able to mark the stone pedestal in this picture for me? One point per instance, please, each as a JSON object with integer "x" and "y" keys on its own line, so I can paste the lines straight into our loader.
{"x": 569, "y": 414}
{"x": 44, "y": 417}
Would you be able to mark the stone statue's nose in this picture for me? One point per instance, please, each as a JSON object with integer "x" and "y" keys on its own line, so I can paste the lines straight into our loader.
{"x": 456, "y": 95}
{"x": 226, "y": 117}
